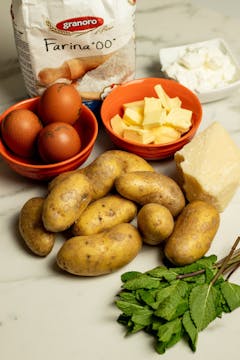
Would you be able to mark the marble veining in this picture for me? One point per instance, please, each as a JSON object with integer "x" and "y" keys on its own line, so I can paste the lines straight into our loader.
{"x": 45, "y": 314}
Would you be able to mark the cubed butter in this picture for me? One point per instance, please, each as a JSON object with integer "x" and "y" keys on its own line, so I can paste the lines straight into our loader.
{"x": 180, "y": 119}
{"x": 174, "y": 102}
{"x": 132, "y": 116}
{"x": 137, "y": 105}
{"x": 118, "y": 124}
{"x": 140, "y": 136}
{"x": 164, "y": 98}
{"x": 156, "y": 120}
{"x": 154, "y": 114}
{"x": 209, "y": 167}
{"x": 165, "y": 134}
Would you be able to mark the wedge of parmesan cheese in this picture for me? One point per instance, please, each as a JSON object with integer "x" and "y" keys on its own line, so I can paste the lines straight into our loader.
{"x": 209, "y": 167}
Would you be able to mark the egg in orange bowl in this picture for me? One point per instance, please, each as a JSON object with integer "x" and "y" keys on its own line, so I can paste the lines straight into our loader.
{"x": 34, "y": 166}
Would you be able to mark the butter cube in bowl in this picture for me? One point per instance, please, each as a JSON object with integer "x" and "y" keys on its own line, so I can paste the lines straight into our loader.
{"x": 151, "y": 117}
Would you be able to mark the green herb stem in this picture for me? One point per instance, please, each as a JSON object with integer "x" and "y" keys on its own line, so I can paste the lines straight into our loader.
{"x": 233, "y": 270}
{"x": 194, "y": 273}
{"x": 229, "y": 264}
{"x": 225, "y": 262}
{"x": 234, "y": 258}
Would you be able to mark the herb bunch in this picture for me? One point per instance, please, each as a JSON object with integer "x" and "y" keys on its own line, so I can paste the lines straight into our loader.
{"x": 179, "y": 302}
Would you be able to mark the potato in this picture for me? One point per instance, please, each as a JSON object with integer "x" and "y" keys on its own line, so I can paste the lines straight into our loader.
{"x": 155, "y": 223}
{"x": 37, "y": 238}
{"x": 146, "y": 187}
{"x": 104, "y": 213}
{"x": 194, "y": 231}
{"x": 59, "y": 178}
{"x": 131, "y": 162}
{"x": 102, "y": 253}
{"x": 103, "y": 171}
{"x": 66, "y": 201}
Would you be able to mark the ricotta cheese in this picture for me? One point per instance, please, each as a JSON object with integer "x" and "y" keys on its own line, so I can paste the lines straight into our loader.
{"x": 202, "y": 68}
{"x": 209, "y": 167}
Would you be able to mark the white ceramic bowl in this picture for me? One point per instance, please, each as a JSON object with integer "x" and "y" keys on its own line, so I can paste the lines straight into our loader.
{"x": 170, "y": 55}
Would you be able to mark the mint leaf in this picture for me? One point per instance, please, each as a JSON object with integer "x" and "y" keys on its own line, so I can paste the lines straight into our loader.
{"x": 142, "y": 317}
{"x": 129, "y": 297}
{"x": 203, "y": 263}
{"x": 132, "y": 328}
{"x": 135, "y": 317}
{"x": 170, "y": 302}
{"x": 231, "y": 293}
{"x": 172, "y": 307}
{"x": 166, "y": 331}
{"x": 157, "y": 322}
{"x": 160, "y": 347}
{"x": 123, "y": 319}
{"x": 198, "y": 272}
{"x": 190, "y": 329}
{"x": 135, "y": 328}
{"x": 187, "y": 269}
{"x": 178, "y": 287}
{"x": 203, "y": 301}
{"x": 141, "y": 282}
{"x": 207, "y": 261}
{"x": 209, "y": 274}
{"x": 181, "y": 287}
{"x": 195, "y": 279}
{"x": 128, "y": 308}
{"x": 146, "y": 296}
{"x": 130, "y": 275}
{"x": 162, "y": 272}
{"x": 168, "y": 334}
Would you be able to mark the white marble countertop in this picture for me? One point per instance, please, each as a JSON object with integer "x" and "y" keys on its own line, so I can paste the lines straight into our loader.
{"x": 45, "y": 314}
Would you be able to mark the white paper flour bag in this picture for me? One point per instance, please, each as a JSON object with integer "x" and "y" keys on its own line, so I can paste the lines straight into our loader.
{"x": 89, "y": 43}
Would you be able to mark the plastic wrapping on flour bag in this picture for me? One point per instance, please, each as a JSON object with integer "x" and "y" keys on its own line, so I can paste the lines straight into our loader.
{"x": 90, "y": 44}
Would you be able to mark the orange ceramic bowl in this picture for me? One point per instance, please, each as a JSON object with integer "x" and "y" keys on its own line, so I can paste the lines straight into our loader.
{"x": 137, "y": 90}
{"x": 87, "y": 127}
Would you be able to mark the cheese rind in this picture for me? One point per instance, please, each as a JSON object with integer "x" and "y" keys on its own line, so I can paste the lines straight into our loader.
{"x": 209, "y": 167}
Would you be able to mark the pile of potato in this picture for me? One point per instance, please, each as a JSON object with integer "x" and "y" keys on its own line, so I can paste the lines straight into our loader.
{"x": 97, "y": 205}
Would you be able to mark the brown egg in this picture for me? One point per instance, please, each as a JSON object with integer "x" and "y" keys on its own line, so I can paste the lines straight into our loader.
{"x": 60, "y": 102}
{"x": 19, "y": 131}
{"x": 57, "y": 142}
